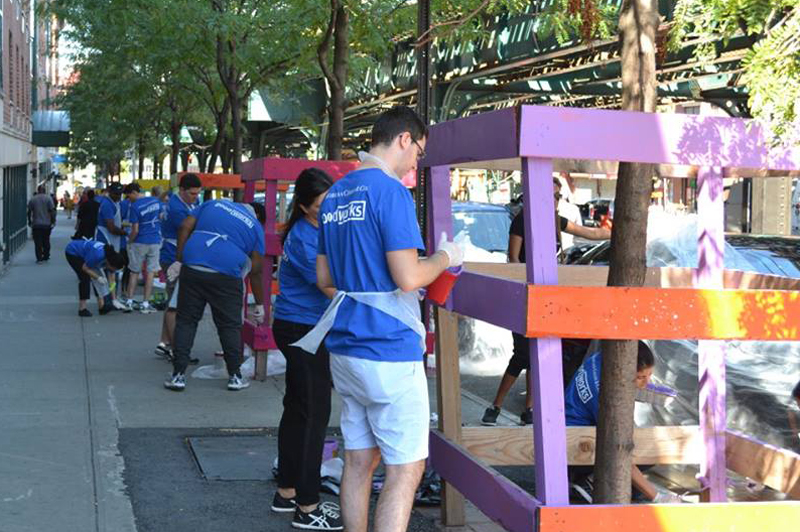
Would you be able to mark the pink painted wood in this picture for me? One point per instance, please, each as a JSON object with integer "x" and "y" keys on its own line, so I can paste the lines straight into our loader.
{"x": 546, "y": 375}
{"x": 597, "y": 134}
{"x": 711, "y": 353}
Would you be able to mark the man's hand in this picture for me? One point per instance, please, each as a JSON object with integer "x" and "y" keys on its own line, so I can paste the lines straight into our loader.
{"x": 453, "y": 250}
{"x": 173, "y": 271}
{"x": 258, "y": 314}
{"x": 667, "y": 498}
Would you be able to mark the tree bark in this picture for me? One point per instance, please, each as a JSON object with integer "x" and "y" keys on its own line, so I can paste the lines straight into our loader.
{"x": 637, "y": 34}
{"x": 338, "y": 32}
{"x": 141, "y": 160}
{"x": 175, "y": 137}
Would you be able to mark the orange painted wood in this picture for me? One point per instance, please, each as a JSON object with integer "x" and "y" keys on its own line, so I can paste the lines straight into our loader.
{"x": 662, "y": 313}
{"x": 729, "y": 517}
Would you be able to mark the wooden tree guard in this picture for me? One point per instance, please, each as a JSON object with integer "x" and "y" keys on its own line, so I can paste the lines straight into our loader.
{"x": 271, "y": 174}
{"x": 546, "y": 302}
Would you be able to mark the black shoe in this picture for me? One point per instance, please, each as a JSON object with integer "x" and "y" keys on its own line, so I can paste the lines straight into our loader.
{"x": 327, "y": 516}
{"x": 194, "y": 361}
{"x": 490, "y": 416}
{"x": 105, "y": 309}
{"x": 583, "y": 490}
{"x": 526, "y": 418}
{"x": 281, "y": 504}
{"x": 84, "y": 313}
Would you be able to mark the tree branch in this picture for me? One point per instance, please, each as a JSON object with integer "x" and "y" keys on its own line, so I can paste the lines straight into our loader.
{"x": 325, "y": 44}
{"x": 427, "y": 37}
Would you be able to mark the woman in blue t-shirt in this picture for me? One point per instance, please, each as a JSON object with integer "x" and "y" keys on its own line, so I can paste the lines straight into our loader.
{"x": 307, "y": 403}
{"x": 87, "y": 259}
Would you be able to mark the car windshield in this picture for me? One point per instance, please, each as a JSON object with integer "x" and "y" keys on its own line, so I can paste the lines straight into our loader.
{"x": 487, "y": 229}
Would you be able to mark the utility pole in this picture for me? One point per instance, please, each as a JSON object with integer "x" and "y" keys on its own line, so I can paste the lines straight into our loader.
{"x": 423, "y": 106}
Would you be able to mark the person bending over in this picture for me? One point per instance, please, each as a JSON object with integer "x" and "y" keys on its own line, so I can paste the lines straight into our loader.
{"x": 88, "y": 259}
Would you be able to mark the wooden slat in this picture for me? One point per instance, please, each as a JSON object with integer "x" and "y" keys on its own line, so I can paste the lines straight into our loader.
{"x": 663, "y": 314}
{"x": 653, "y": 445}
{"x": 777, "y": 468}
{"x": 728, "y": 517}
{"x": 656, "y": 277}
{"x": 448, "y": 392}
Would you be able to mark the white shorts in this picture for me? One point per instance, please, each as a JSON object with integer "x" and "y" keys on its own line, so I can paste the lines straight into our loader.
{"x": 385, "y": 405}
{"x": 138, "y": 253}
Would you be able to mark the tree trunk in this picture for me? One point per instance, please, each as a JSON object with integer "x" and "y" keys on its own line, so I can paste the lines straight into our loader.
{"x": 141, "y": 160}
{"x": 637, "y": 34}
{"x": 185, "y": 160}
{"x": 338, "y": 31}
{"x": 175, "y": 136}
{"x": 225, "y": 155}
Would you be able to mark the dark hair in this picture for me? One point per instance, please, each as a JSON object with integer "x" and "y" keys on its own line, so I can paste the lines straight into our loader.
{"x": 261, "y": 212}
{"x": 40, "y": 189}
{"x": 89, "y": 193}
{"x": 644, "y": 359}
{"x": 397, "y": 121}
{"x": 131, "y": 188}
{"x": 796, "y": 391}
{"x": 190, "y": 181}
{"x": 310, "y": 183}
{"x": 114, "y": 259}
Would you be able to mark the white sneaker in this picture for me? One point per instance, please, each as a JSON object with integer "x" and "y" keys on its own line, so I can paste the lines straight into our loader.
{"x": 119, "y": 305}
{"x": 146, "y": 308}
{"x": 236, "y": 383}
{"x": 176, "y": 382}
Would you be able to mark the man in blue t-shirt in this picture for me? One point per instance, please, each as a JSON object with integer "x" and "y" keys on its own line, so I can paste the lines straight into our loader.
{"x": 178, "y": 207}
{"x": 219, "y": 244}
{"x": 110, "y": 230}
{"x": 145, "y": 245}
{"x": 368, "y": 242}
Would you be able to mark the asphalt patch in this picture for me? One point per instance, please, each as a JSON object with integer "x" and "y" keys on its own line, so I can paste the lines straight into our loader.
{"x": 168, "y": 491}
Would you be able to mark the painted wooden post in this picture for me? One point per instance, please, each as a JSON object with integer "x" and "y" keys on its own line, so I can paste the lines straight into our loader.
{"x": 711, "y": 353}
{"x": 546, "y": 375}
{"x": 448, "y": 378}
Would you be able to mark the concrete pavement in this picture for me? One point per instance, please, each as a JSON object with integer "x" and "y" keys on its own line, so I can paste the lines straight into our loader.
{"x": 69, "y": 385}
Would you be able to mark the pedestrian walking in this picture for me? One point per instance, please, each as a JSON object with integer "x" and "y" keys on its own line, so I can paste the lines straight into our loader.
{"x": 69, "y": 204}
{"x": 307, "y": 401}
{"x": 368, "y": 251}
{"x": 218, "y": 245}
{"x": 88, "y": 259}
{"x": 178, "y": 207}
{"x": 41, "y": 219}
{"x": 86, "y": 226}
{"x": 144, "y": 248}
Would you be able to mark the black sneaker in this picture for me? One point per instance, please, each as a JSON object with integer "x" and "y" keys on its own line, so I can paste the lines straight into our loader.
{"x": 490, "y": 416}
{"x": 327, "y": 516}
{"x": 162, "y": 350}
{"x": 85, "y": 313}
{"x": 526, "y": 418}
{"x": 281, "y": 504}
{"x": 105, "y": 309}
{"x": 583, "y": 490}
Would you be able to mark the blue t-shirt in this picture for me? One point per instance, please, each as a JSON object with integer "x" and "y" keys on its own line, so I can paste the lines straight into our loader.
{"x": 174, "y": 214}
{"x": 582, "y": 398}
{"x": 107, "y": 211}
{"x": 92, "y": 252}
{"x": 300, "y": 300}
{"x": 124, "y": 214}
{"x": 147, "y": 213}
{"x": 364, "y": 215}
{"x": 224, "y": 236}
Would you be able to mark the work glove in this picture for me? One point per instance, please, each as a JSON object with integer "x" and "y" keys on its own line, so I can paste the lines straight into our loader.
{"x": 667, "y": 498}
{"x": 101, "y": 280}
{"x": 453, "y": 250}
{"x": 173, "y": 271}
{"x": 258, "y": 314}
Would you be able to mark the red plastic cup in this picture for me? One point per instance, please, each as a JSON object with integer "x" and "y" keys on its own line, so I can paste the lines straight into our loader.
{"x": 439, "y": 289}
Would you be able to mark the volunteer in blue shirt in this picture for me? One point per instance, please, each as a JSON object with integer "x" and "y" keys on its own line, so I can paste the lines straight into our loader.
{"x": 88, "y": 258}
{"x": 307, "y": 402}
{"x": 145, "y": 247}
{"x": 131, "y": 192}
{"x": 218, "y": 245}
{"x": 582, "y": 406}
{"x": 109, "y": 229}
{"x": 368, "y": 242}
{"x": 178, "y": 207}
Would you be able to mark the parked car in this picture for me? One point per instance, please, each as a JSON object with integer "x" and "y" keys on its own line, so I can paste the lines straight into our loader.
{"x": 593, "y": 211}
{"x": 486, "y": 224}
{"x": 760, "y": 375}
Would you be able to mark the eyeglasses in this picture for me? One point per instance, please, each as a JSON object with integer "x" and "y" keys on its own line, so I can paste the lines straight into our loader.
{"x": 420, "y": 151}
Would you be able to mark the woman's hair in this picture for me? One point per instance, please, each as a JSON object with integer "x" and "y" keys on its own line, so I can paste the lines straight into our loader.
{"x": 114, "y": 259}
{"x": 310, "y": 183}
{"x": 644, "y": 358}
{"x": 796, "y": 391}
{"x": 89, "y": 193}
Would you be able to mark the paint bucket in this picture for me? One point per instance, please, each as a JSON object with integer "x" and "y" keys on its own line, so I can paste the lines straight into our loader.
{"x": 439, "y": 290}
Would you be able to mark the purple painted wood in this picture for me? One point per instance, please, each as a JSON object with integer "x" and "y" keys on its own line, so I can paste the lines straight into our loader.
{"x": 597, "y": 134}
{"x": 496, "y": 496}
{"x": 546, "y": 375}
{"x": 711, "y": 354}
{"x": 440, "y": 217}
{"x": 498, "y": 301}
{"x": 482, "y": 137}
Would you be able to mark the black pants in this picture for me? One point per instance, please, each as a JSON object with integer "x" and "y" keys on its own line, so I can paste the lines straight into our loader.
{"x": 306, "y": 411}
{"x": 84, "y": 282}
{"x": 41, "y": 241}
{"x": 225, "y": 296}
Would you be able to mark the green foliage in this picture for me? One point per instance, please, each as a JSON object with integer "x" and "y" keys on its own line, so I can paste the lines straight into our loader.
{"x": 771, "y": 66}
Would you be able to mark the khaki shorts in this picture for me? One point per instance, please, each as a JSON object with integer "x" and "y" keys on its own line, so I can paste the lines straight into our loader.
{"x": 138, "y": 253}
